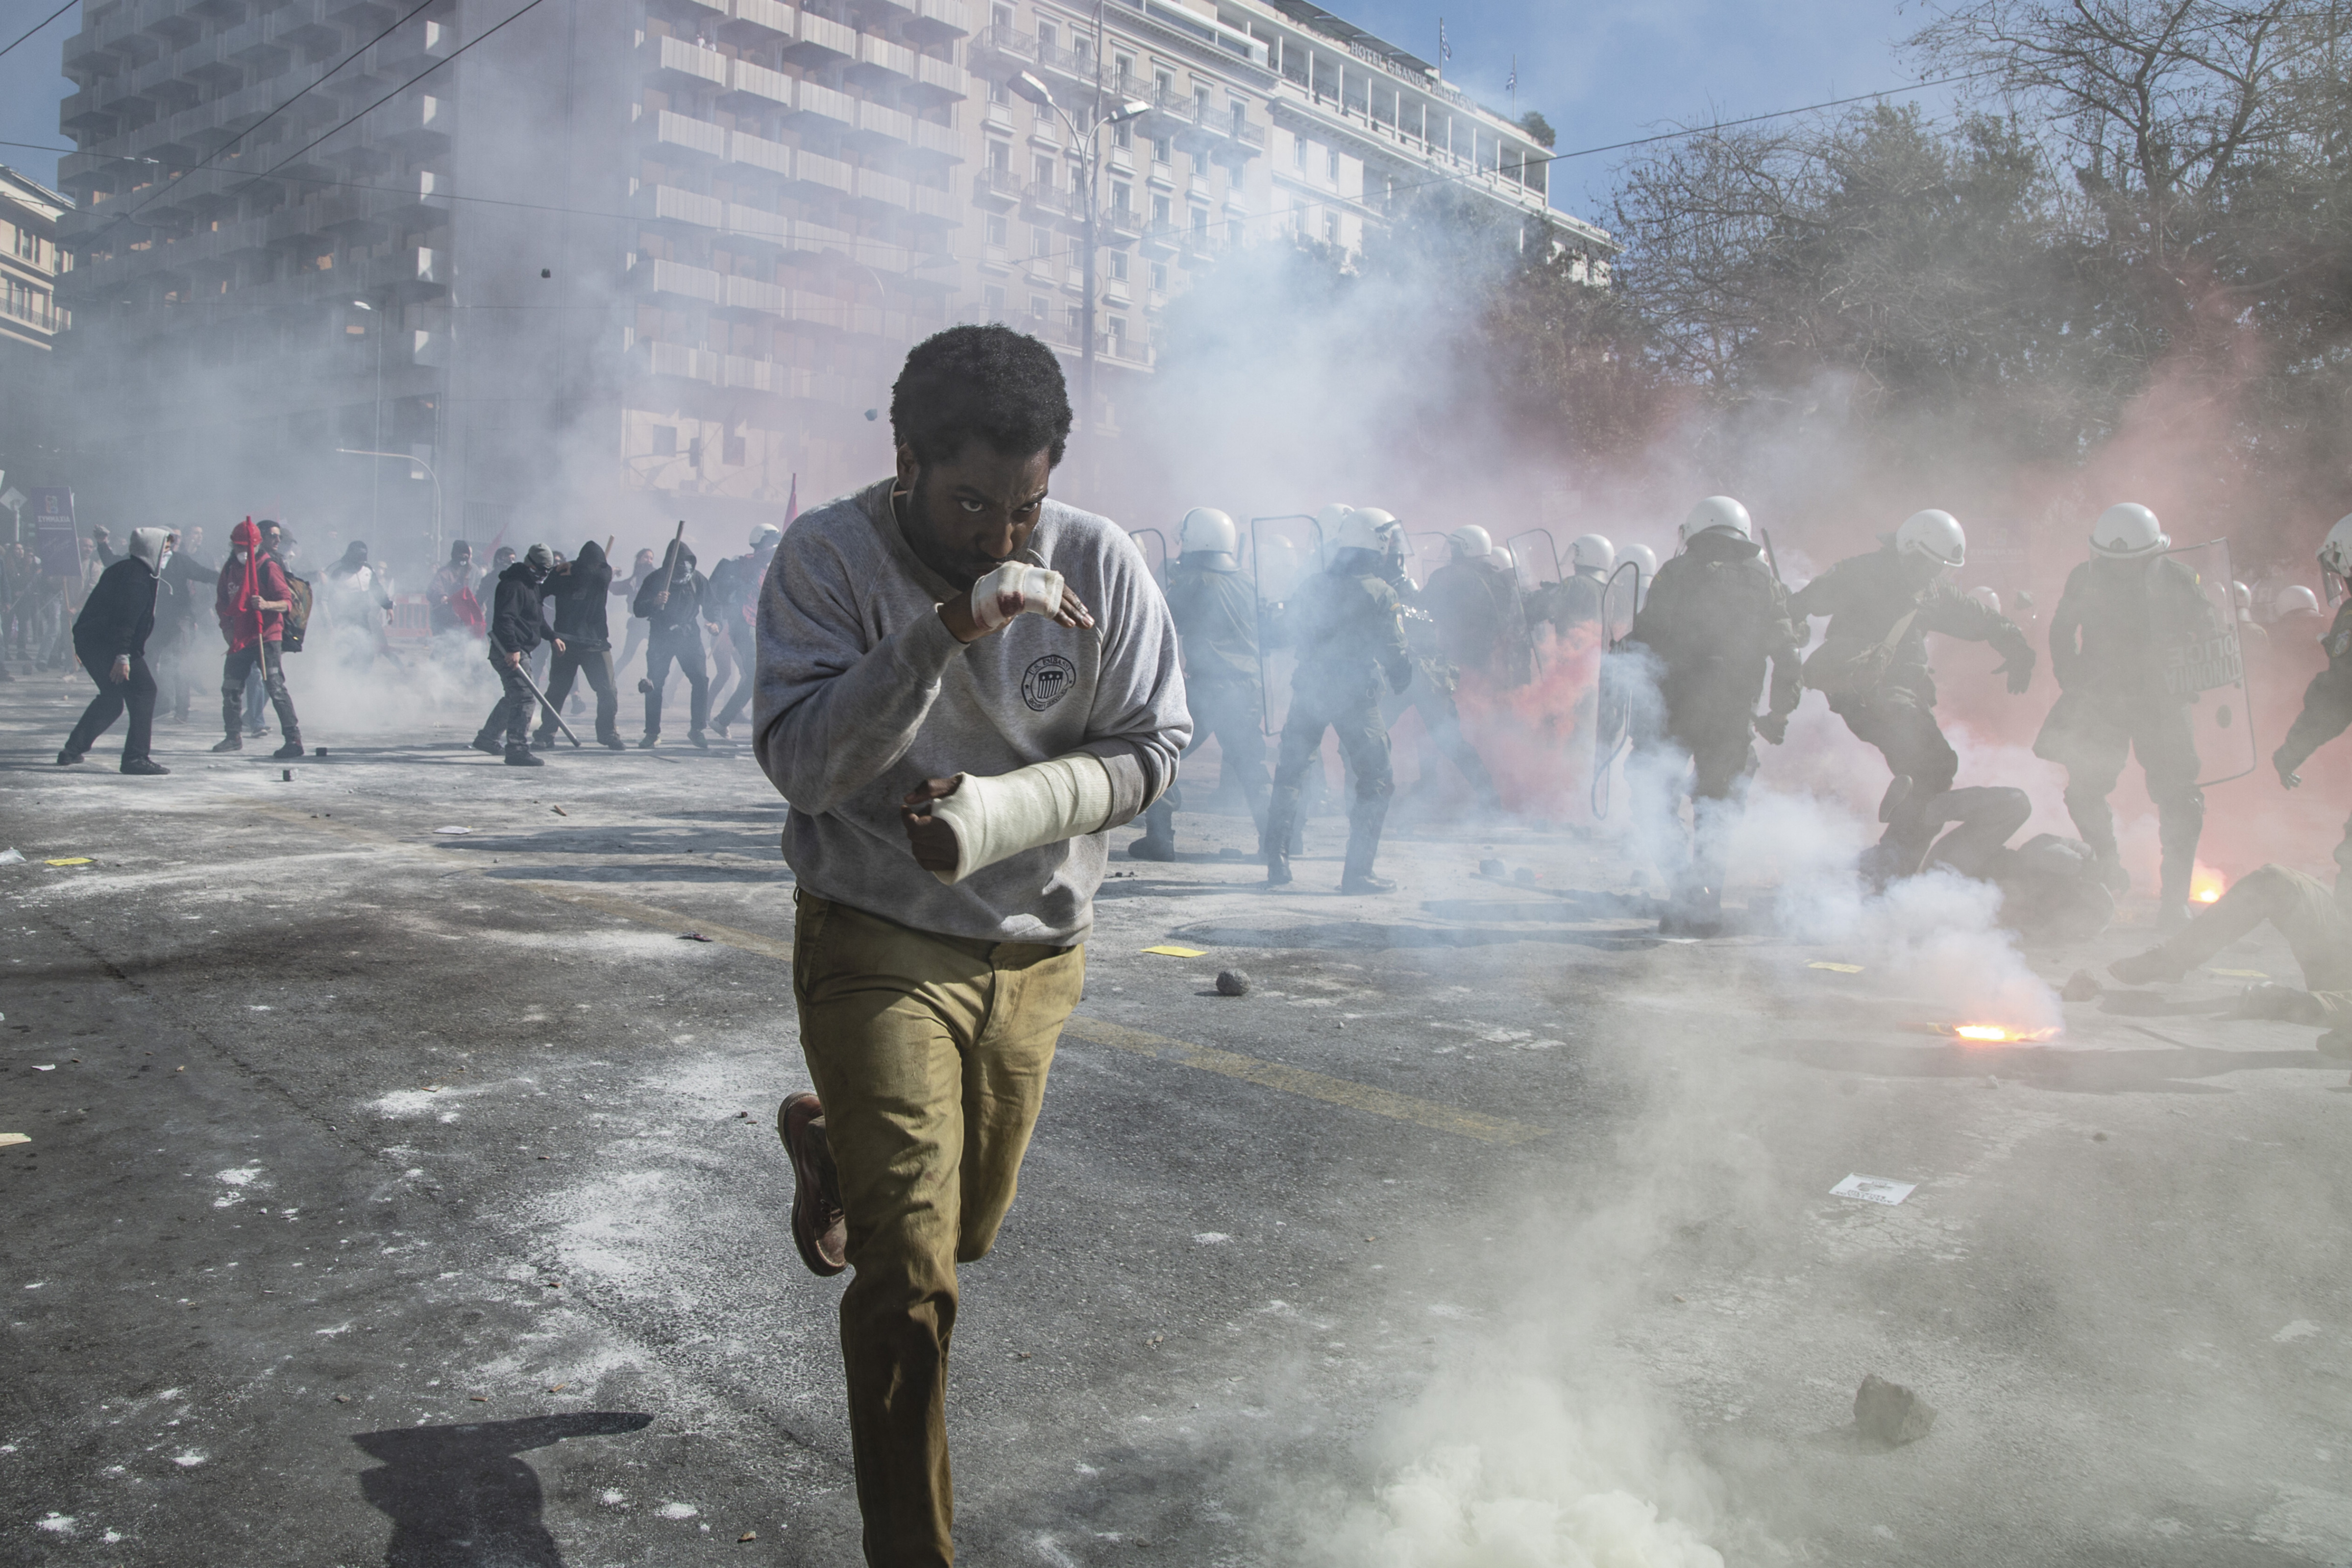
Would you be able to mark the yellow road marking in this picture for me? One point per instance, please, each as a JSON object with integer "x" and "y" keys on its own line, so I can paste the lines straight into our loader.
{"x": 1095, "y": 1031}
{"x": 1299, "y": 1081}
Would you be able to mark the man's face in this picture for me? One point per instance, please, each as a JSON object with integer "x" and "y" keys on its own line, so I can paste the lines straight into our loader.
{"x": 969, "y": 515}
{"x": 464, "y": 558}
{"x": 195, "y": 539}
{"x": 270, "y": 538}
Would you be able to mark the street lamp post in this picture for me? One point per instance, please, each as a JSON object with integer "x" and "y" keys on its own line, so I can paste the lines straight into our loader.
{"x": 1027, "y": 86}
{"x": 411, "y": 457}
{"x": 375, "y": 490}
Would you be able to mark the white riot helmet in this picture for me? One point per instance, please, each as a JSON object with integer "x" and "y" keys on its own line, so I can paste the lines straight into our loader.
{"x": 2297, "y": 601}
{"x": 1210, "y": 534}
{"x": 1987, "y": 597}
{"x": 765, "y": 534}
{"x": 1332, "y": 515}
{"x": 2128, "y": 532}
{"x": 1503, "y": 559}
{"x": 1934, "y": 534}
{"x": 2243, "y": 599}
{"x": 1470, "y": 542}
{"x": 1592, "y": 552}
{"x": 1371, "y": 529}
{"x": 1717, "y": 512}
{"x": 1643, "y": 557}
{"x": 2335, "y": 551}
{"x": 1385, "y": 528}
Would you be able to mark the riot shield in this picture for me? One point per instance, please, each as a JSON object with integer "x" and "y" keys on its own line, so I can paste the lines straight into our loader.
{"x": 1613, "y": 710}
{"x": 1430, "y": 551}
{"x": 2208, "y": 668}
{"x": 1284, "y": 552}
{"x": 1531, "y": 570}
{"x": 1157, "y": 555}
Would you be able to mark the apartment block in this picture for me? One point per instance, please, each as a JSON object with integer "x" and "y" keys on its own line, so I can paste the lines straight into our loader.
{"x": 30, "y": 320}
{"x": 623, "y": 260}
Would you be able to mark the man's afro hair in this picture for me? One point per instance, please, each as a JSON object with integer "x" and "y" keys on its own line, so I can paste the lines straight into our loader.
{"x": 989, "y": 382}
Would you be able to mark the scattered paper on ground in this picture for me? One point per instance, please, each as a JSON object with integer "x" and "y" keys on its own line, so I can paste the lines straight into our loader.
{"x": 1171, "y": 950}
{"x": 1835, "y": 968}
{"x": 1873, "y": 1189}
{"x": 71, "y": 860}
{"x": 453, "y": 830}
{"x": 11, "y": 857}
{"x": 8, "y": 1138}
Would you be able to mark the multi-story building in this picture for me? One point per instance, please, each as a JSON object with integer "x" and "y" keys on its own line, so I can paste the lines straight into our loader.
{"x": 590, "y": 261}
{"x": 30, "y": 320}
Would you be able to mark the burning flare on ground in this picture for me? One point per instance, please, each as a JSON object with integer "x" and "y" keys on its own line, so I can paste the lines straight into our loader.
{"x": 1998, "y": 1034}
{"x": 2205, "y": 884}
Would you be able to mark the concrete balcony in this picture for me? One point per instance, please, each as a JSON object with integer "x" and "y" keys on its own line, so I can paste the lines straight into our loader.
{"x": 836, "y": 112}
{"x": 753, "y": 223}
{"x": 762, "y": 22}
{"x": 818, "y": 176}
{"x": 677, "y": 280}
{"x": 1048, "y": 204}
{"x": 935, "y": 207}
{"x": 998, "y": 50}
{"x": 740, "y": 296}
{"x": 879, "y": 63}
{"x": 818, "y": 42}
{"x": 409, "y": 273}
{"x": 759, "y": 85}
{"x": 419, "y": 123}
{"x": 996, "y": 189}
{"x": 1243, "y": 139}
{"x": 669, "y": 204}
{"x": 880, "y": 193}
{"x": 939, "y": 81}
{"x": 937, "y": 21}
{"x": 758, "y": 152}
{"x": 678, "y": 360}
{"x": 665, "y": 132}
{"x": 880, "y": 128}
{"x": 937, "y": 144}
{"x": 674, "y": 63}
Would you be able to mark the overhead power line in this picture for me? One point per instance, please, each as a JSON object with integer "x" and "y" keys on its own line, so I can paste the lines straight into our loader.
{"x": 36, "y": 27}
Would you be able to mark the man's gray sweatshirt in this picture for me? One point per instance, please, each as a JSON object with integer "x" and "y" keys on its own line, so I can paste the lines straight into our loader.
{"x": 862, "y": 693}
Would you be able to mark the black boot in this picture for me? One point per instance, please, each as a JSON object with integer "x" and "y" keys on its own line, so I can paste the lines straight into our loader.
{"x": 1159, "y": 840}
{"x": 1364, "y": 825}
{"x": 523, "y": 757}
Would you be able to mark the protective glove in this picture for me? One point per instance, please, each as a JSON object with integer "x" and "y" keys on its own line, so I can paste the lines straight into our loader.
{"x": 2019, "y": 668}
{"x": 2288, "y": 777}
{"x": 1015, "y": 588}
{"x": 1773, "y": 727}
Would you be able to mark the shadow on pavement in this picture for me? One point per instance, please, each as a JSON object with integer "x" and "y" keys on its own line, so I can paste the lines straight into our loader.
{"x": 1368, "y": 936}
{"x": 458, "y": 1497}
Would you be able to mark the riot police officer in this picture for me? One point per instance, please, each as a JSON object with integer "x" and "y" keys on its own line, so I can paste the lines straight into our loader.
{"x": 1346, "y": 623}
{"x": 2327, "y": 701}
{"x": 2121, "y": 610}
{"x": 1431, "y": 692}
{"x": 1215, "y": 611}
{"x": 1693, "y": 668}
{"x": 1482, "y": 622}
{"x": 1872, "y": 665}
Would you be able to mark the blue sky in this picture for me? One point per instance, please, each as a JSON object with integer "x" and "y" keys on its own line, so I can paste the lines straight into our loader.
{"x": 1600, "y": 71}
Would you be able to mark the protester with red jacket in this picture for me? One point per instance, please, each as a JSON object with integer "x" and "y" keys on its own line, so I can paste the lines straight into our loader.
{"x": 251, "y": 600}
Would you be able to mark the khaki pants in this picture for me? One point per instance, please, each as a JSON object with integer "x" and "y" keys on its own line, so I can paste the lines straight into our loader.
{"x": 2304, "y": 910}
{"x": 930, "y": 1053}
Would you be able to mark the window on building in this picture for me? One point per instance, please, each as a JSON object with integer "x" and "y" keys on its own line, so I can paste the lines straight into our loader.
{"x": 996, "y": 226}
{"x": 1041, "y": 240}
{"x": 1330, "y": 228}
{"x": 1159, "y": 278}
{"x": 1122, "y": 197}
{"x": 991, "y": 303}
{"x": 1241, "y": 118}
{"x": 1047, "y": 36}
{"x": 1123, "y": 134}
{"x": 1003, "y": 17}
{"x": 1159, "y": 150}
{"x": 1119, "y": 264}
{"x": 1000, "y": 156}
{"x": 28, "y": 244}
{"x": 1041, "y": 169}
{"x": 996, "y": 93}
{"x": 1200, "y": 105}
{"x": 1200, "y": 223}
{"x": 1160, "y": 212}
{"x": 1331, "y": 164}
{"x": 1077, "y": 322}
{"x": 1123, "y": 67}
{"x": 1038, "y": 306}
{"x": 1118, "y": 325}
{"x": 1164, "y": 84}
{"x": 1298, "y": 151}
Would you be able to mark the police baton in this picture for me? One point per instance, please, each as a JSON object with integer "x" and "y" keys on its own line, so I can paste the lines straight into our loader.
{"x": 524, "y": 676}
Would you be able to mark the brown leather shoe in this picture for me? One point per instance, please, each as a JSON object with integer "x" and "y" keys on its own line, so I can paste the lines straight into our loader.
{"x": 817, "y": 1226}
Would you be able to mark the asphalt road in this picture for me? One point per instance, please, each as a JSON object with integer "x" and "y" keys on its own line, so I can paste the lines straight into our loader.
{"x": 394, "y": 1195}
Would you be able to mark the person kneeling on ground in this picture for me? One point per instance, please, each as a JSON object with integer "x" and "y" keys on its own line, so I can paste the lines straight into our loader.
{"x": 110, "y": 637}
{"x": 961, "y": 687}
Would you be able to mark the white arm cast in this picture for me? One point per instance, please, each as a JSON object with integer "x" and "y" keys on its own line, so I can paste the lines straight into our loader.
{"x": 998, "y": 817}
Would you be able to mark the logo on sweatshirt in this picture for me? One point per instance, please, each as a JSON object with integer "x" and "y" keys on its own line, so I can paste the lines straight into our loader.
{"x": 1048, "y": 681}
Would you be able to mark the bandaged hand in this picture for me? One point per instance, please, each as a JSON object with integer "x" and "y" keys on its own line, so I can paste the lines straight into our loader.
{"x": 1015, "y": 588}
{"x": 956, "y": 827}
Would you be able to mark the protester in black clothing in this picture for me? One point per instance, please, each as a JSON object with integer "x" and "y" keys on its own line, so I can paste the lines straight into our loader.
{"x": 734, "y": 605}
{"x": 110, "y": 637}
{"x": 673, "y": 601}
{"x": 583, "y": 646}
{"x": 517, "y": 624}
